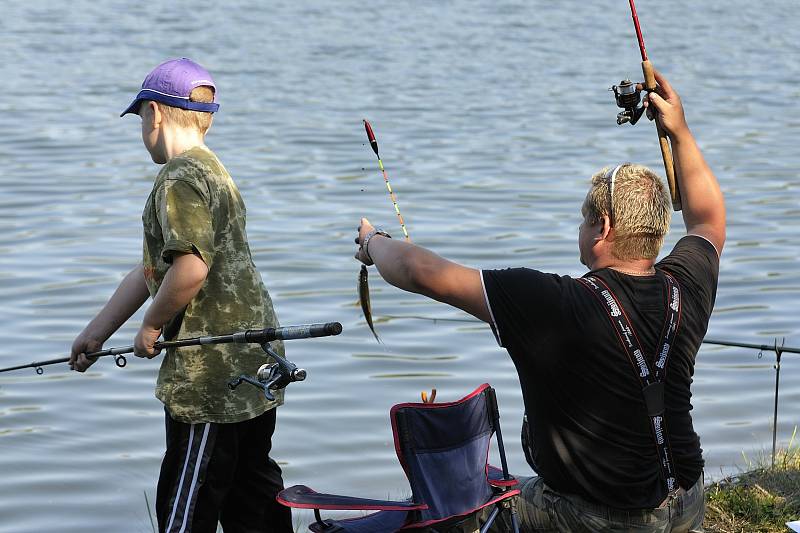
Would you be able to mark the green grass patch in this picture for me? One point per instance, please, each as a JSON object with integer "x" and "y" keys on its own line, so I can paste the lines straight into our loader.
{"x": 760, "y": 500}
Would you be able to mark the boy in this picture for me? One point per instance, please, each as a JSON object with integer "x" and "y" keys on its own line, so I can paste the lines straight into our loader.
{"x": 198, "y": 268}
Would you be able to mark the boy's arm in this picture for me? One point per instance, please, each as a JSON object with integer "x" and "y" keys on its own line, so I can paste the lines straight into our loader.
{"x": 701, "y": 197}
{"x": 183, "y": 281}
{"x": 126, "y": 300}
{"x": 415, "y": 269}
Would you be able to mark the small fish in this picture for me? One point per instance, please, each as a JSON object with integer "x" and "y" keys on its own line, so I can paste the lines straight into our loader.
{"x": 363, "y": 298}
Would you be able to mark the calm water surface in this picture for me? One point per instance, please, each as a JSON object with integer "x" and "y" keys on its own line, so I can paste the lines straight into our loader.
{"x": 491, "y": 116}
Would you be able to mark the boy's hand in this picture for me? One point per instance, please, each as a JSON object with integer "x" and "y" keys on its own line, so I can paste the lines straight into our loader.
{"x": 667, "y": 104}
{"x": 144, "y": 341}
{"x": 82, "y": 345}
{"x": 363, "y": 230}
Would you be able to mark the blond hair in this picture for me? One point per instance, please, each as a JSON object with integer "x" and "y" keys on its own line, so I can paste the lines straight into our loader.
{"x": 190, "y": 119}
{"x": 639, "y": 211}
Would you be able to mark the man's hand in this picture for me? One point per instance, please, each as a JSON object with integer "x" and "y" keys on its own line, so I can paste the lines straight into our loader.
{"x": 703, "y": 203}
{"x": 363, "y": 230}
{"x": 668, "y": 107}
{"x": 144, "y": 341}
{"x": 83, "y": 344}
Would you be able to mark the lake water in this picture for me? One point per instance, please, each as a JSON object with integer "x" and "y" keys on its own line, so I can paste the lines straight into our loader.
{"x": 491, "y": 116}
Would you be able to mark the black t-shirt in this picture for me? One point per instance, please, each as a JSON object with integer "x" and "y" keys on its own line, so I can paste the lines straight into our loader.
{"x": 589, "y": 428}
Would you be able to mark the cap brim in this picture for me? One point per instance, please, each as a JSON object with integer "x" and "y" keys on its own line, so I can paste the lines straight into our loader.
{"x": 174, "y": 101}
{"x": 133, "y": 108}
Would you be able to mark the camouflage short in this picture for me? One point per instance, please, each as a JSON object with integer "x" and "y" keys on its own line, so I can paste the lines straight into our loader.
{"x": 542, "y": 509}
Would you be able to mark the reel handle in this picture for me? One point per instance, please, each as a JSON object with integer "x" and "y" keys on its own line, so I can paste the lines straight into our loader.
{"x": 271, "y": 376}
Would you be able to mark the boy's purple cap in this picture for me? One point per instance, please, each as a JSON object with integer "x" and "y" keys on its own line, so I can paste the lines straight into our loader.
{"x": 171, "y": 83}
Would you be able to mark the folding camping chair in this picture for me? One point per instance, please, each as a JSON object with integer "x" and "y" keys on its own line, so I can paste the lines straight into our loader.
{"x": 444, "y": 449}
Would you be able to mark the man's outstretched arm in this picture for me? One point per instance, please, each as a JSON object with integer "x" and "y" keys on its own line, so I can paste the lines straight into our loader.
{"x": 703, "y": 204}
{"x": 415, "y": 269}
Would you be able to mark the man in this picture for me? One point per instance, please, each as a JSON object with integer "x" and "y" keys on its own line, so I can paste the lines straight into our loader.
{"x": 605, "y": 361}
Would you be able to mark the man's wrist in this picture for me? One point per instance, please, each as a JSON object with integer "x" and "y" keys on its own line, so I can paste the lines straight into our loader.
{"x": 682, "y": 134}
{"x": 368, "y": 237}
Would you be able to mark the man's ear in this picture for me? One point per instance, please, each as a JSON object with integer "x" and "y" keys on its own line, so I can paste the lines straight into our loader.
{"x": 606, "y": 232}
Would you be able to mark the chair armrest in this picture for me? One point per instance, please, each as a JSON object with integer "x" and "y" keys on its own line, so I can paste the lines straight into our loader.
{"x": 496, "y": 479}
{"x": 302, "y": 497}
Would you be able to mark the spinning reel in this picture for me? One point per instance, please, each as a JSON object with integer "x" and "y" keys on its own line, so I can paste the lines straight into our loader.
{"x": 628, "y": 97}
{"x": 271, "y": 376}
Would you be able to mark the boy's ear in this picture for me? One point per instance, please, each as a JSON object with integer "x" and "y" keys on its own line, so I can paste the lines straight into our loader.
{"x": 156, "y": 114}
{"x": 150, "y": 111}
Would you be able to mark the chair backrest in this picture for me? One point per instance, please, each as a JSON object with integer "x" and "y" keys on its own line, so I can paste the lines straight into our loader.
{"x": 444, "y": 449}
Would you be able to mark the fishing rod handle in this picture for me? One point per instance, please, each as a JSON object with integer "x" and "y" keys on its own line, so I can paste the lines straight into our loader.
{"x": 669, "y": 168}
{"x": 663, "y": 141}
{"x": 292, "y": 332}
{"x": 259, "y": 336}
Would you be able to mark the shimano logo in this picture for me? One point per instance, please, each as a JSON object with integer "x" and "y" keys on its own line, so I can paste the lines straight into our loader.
{"x": 643, "y": 372}
{"x": 662, "y": 358}
{"x": 626, "y": 333}
{"x": 659, "y": 431}
{"x": 611, "y": 303}
{"x": 590, "y": 281}
{"x": 676, "y": 299}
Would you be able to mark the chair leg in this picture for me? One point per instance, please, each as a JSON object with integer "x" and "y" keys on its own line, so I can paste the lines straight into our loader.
{"x": 327, "y": 525}
{"x": 514, "y": 519}
{"x": 490, "y": 520}
{"x": 511, "y": 506}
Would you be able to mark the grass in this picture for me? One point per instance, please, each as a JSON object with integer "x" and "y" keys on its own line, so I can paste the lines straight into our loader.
{"x": 760, "y": 500}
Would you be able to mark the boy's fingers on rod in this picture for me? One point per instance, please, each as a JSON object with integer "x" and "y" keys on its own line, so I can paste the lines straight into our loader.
{"x": 662, "y": 82}
{"x": 658, "y": 101}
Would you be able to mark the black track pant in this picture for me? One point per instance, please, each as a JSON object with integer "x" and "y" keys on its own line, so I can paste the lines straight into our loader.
{"x": 221, "y": 473}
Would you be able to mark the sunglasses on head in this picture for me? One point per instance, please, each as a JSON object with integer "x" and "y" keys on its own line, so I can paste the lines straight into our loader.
{"x": 611, "y": 174}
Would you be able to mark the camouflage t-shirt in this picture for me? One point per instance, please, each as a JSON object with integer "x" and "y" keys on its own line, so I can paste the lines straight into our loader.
{"x": 195, "y": 207}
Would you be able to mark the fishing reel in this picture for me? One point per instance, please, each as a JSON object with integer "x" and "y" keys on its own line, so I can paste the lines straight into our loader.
{"x": 628, "y": 97}
{"x": 271, "y": 376}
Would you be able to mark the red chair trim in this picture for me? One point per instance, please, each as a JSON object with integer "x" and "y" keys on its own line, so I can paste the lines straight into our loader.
{"x": 501, "y": 497}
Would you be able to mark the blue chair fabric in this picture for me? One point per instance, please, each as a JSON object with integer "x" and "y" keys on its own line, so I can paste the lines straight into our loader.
{"x": 444, "y": 450}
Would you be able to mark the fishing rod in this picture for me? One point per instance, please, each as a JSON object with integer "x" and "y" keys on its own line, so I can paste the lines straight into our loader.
{"x": 363, "y": 274}
{"x": 760, "y": 347}
{"x": 628, "y": 97}
{"x": 258, "y": 336}
{"x": 779, "y": 350}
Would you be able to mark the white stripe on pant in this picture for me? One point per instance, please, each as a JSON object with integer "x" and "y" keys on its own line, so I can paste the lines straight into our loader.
{"x": 189, "y": 492}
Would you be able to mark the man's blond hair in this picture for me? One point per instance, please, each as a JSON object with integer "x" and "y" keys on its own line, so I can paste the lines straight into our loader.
{"x": 190, "y": 119}
{"x": 640, "y": 210}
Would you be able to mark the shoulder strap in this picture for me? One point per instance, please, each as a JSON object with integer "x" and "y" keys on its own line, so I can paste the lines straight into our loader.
{"x": 651, "y": 380}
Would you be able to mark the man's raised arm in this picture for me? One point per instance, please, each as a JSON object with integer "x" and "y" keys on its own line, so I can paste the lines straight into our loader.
{"x": 703, "y": 204}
